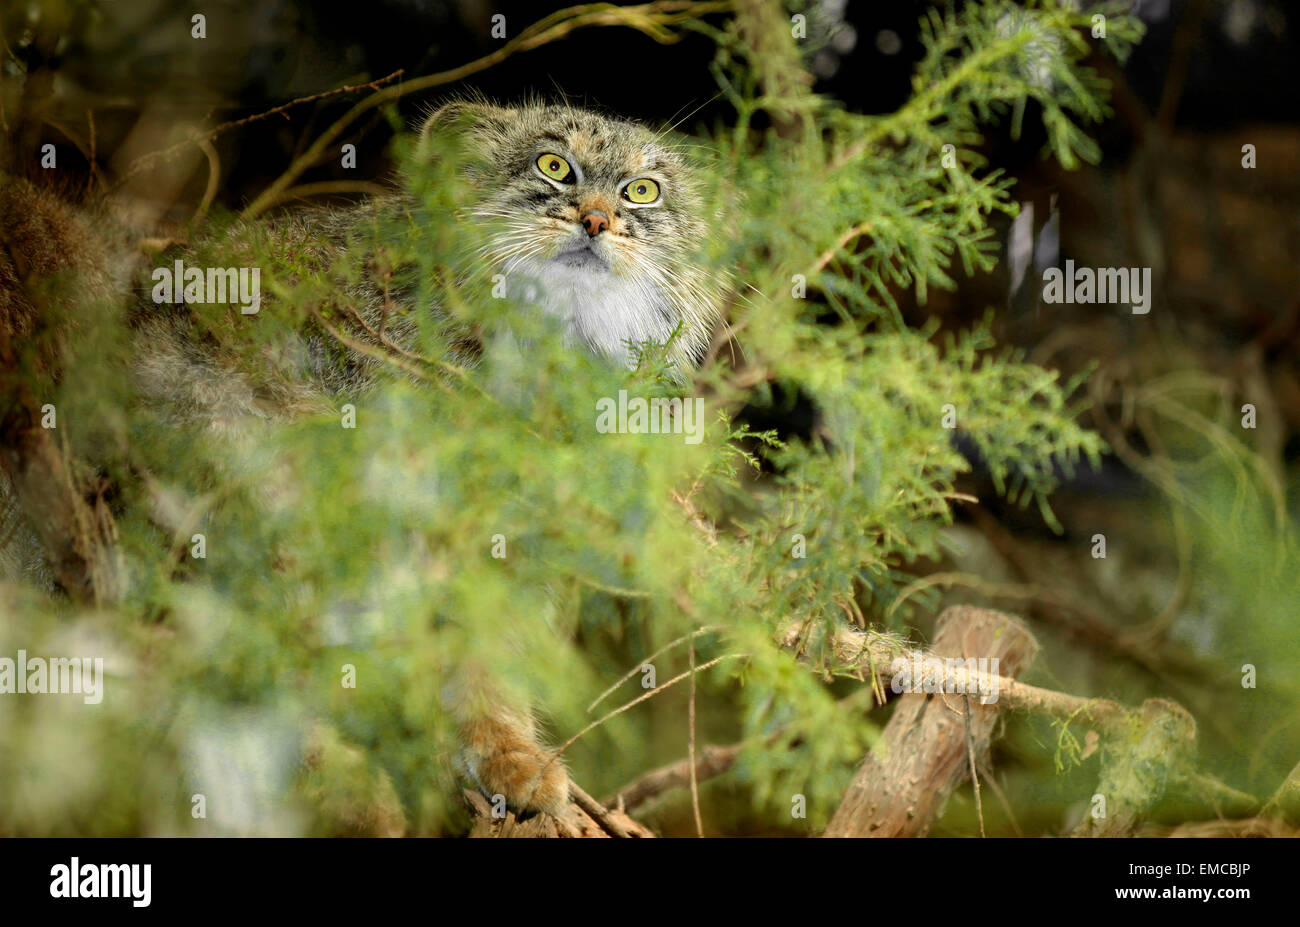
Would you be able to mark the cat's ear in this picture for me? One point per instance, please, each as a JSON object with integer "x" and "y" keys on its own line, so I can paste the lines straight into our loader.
{"x": 463, "y": 116}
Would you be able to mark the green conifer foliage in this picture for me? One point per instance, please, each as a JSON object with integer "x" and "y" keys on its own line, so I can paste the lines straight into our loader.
{"x": 476, "y": 515}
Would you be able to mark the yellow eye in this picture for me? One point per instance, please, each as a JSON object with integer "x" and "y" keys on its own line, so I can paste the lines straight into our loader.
{"x": 554, "y": 167}
{"x": 642, "y": 191}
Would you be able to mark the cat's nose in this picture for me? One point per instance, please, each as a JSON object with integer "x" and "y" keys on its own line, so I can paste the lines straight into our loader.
{"x": 594, "y": 222}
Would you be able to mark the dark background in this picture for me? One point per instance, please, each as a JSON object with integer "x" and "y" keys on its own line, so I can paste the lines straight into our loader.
{"x": 1234, "y": 63}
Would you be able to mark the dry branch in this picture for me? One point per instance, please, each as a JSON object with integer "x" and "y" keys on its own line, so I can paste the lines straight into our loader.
{"x": 655, "y": 19}
{"x": 1146, "y": 753}
{"x": 902, "y": 785}
{"x": 584, "y": 817}
{"x": 926, "y": 750}
{"x": 712, "y": 761}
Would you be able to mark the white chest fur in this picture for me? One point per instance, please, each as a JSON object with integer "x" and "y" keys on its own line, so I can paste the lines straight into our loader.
{"x": 601, "y": 311}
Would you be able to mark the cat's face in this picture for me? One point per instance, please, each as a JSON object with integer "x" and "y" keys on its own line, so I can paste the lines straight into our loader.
{"x": 595, "y": 219}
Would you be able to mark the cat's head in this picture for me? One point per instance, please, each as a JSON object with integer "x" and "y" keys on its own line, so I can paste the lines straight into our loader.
{"x": 598, "y": 220}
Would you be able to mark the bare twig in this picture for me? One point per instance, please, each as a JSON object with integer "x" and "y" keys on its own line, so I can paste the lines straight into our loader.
{"x": 925, "y": 751}
{"x": 974, "y": 774}
{"x": 330, "y": 187}
{"x": 636, "y": 669}
{"x": 856, "y": 231}
{"x": 597, "y": 811}
{"x": 146, "y": 161}
{"x": 214, "y": 178}
{"x": 690, "y": 749}
{"x": 629, "y": 705}
{"x": 373, "y": 352}
{"x": 1002, "y": 798}
{"x": 712, "y": 761}
{"x": 654, "y": 19}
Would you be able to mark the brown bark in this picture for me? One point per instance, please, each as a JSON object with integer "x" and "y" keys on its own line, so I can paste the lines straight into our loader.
{"x": 713, "y": 761}
{"x": 922, "y": 757}
{"x": 584, "y": 817}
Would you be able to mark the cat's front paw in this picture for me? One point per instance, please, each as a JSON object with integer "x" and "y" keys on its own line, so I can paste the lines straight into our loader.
{"x": 505, "y": 760}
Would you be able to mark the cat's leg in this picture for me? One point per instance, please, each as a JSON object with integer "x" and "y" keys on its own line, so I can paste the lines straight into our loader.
{"x": 501, "y": 753}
